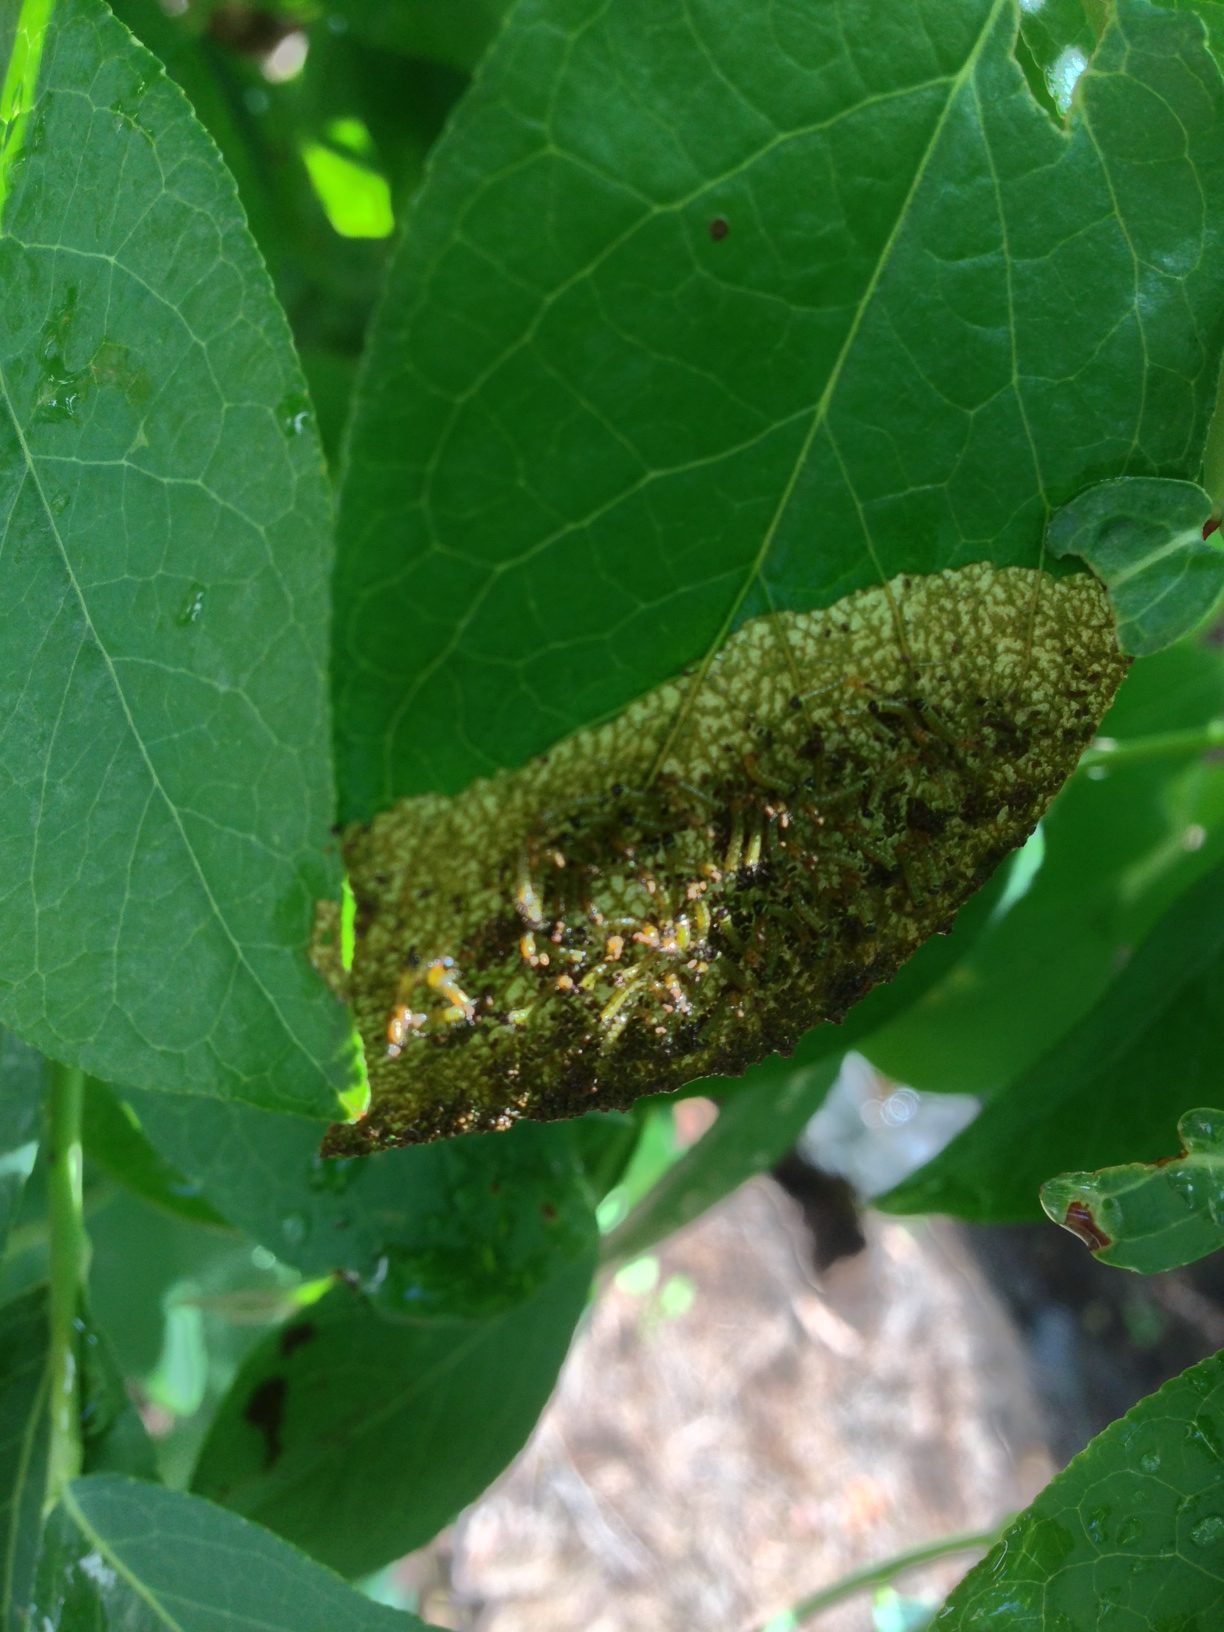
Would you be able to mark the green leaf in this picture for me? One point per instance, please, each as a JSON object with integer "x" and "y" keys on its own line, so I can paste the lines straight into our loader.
{"x": 393, "y": 1424}
{"x": 1090, "y": 1101}
{"x": 1117, "y": 847}
{"x": 123, "y": 1554}
{"x": 112, "y": 1138}
{"x": 754, "y": 1131}
{"x": 165, "y": 522}
{"x": 1150, "y": 1216}
{"x": 24, "y": 1419}
{"x": 113, "y": 1438}
{"x": 463, "y": 1199}
{"x": 1144, "y": 538}
{"x": 22, "y": 1086}
{"x": 701, "y": 312}
{"x": 1130, "y": 1535}
{"x": 455, "y": 33}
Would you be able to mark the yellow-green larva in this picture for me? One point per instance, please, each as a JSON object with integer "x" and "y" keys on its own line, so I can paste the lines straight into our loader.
{"x": 742, "y": 853}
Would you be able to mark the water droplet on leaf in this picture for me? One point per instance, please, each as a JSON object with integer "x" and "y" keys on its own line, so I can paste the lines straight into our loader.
{"x": 193, "y": 606}
{"x": 294, "y": 413}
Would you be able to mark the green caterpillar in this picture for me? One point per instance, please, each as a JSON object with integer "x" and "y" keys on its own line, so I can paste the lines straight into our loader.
{"x": 744, "y": 852}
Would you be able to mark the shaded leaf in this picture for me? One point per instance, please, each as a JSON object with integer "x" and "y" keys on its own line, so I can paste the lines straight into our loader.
{"x": 1144, "y": 538}
{"x": 394, "y": 1424}
{"x": 1150, "y": 1216}
{"x": 1093, "y": 1099}
{"x": 165, "y": 519}
{"x": 1130, "y": 1535}
{"x": 113, "y": 1438}
{"x": 455, "y": 33}
{"x": 753, "y": 1132}
{"x": 24, "y": 1420}
{"x": 465, "y": 1198}
{"x": 112, "y": 1138}
{"x": 22, "y": 1087}
{"x": 121, "y": 1553}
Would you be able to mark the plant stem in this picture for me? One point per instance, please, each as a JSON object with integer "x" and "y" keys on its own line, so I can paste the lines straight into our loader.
{"x": 878, "y": 1575}
{"x": 68, "y": 1249}
{"x": 1160, "y": 745}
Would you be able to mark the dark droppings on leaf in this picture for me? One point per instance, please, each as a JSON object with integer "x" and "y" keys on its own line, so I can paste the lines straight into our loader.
{"x": 293, "y": 1337}
{"x": 695, "y": 884}
{"x": 719, "y": 228}
{"x": 265, "y": 1410}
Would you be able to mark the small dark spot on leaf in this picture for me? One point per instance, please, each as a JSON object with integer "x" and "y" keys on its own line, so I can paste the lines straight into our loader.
{"x": 547, "y": 1211}
{"x": 294, "y": 1336}
{"x": 265, "y": 1410}
{"x": 719, "y": 228}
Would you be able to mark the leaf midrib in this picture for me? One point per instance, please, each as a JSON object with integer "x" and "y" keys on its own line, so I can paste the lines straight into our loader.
{"x": 820, "y": 410}
{"x": 158, "y": 786}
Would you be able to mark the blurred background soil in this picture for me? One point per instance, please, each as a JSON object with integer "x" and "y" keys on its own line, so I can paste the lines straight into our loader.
{"x": 737, "y": 1426}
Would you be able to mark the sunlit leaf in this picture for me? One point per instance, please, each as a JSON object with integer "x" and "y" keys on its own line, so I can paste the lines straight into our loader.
{"x": 166, "y": 526}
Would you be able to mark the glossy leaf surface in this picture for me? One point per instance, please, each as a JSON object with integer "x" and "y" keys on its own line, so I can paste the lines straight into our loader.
{"x": 165, "y": 519}
{"x": 1130, "y": 1535}
{"x": 1150, "y": 1216}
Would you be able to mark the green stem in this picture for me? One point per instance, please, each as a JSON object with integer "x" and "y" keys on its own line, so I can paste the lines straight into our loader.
{"x": 68, "y": 1249}
{"x": 879, "y": 1575}
{"x": 1160, "y": 745}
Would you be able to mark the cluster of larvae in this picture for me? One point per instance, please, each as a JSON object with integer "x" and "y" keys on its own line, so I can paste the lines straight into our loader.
{"x": 744, "y": 852}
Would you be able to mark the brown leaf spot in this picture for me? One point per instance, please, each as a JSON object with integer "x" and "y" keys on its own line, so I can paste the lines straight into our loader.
{"x": 1079, "y": 1221}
